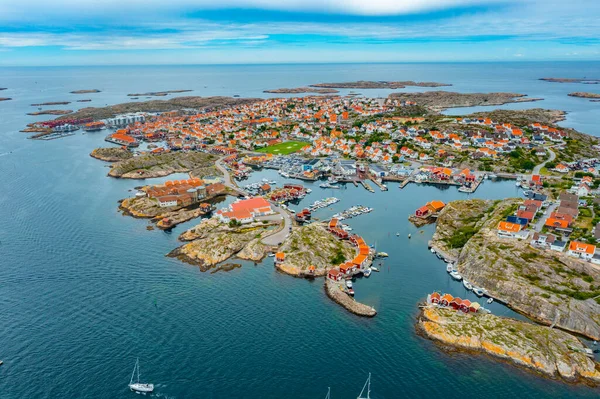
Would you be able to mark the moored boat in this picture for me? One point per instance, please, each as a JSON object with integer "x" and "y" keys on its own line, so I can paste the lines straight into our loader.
{"x": 455, "y": 275}
{"x": 381, "y": 255}
{"x": 478, "y": 291}
{"x": 467, "y": 285}
{"x": 449, "y": 268}
{"x": 490, "y": 300}
{"x": 367, "y": 272}
{"x": 374, "y": 268}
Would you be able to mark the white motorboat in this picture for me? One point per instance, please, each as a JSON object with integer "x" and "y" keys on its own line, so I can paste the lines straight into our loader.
{"x": 490, "y": 300}
{"x": 432, "y": 250}
{"x": 374, "y": 268}
{"x": 467, "y": 285}
{"x": 271, "y": 254}
{"x": 449, "y": 268}
{"x": 367, "y": 386}
{"x": 478, "y": 291}
{"x": 381, "y": 255}
{"x": 409, "y": 236}
{"x": 139, "y": 386}
{"x": 397, "y": 234}
{"x": 367, "y": 272}
{"x": 349, "y": 283}
{"x": 455, "y": 275}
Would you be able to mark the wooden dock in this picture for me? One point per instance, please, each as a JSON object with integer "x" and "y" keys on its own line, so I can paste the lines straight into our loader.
{"x": 381, "y": 186}
{"x": 405, "y": 182}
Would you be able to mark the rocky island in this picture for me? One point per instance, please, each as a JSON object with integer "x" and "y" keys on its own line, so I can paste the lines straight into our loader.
{"x": 549, "y": 287}
{"x": 157, "y": 93}
{"x": 572, "y": 80}
{"x": 583, "y": 94}
{"x": 51, "y": 103}
{"x": 551, "y": 352}
{"x": 366, "y": 84}
{"x": 441, "y": 100}
{"x": 86, "y": 91}
{"x": 300, "y": 90}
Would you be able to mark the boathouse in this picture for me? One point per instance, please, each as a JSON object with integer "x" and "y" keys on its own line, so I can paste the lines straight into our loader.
{"x": 446, "y": 299}
{"x": 334, "y": 274}
{"x": 279, "y": 257}
{"x": 465, "y": 306}
{"x": 455, "y": 303}
{"x": 435, "y": 297}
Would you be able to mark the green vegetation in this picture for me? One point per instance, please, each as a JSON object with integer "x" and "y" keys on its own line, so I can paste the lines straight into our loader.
{"x": 284, "y": 148}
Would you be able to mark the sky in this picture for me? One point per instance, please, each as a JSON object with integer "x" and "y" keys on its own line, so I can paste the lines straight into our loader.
{"x": 152, "y": 32}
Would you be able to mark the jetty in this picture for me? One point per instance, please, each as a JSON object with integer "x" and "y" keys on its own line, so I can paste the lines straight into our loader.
{"x": 381, "y": 186}
{"x": 367, "y": 186}
{"x": 335, "y": 291}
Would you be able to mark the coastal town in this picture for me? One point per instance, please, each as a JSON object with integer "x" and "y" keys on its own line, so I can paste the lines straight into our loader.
{"x": 325, "y": 143}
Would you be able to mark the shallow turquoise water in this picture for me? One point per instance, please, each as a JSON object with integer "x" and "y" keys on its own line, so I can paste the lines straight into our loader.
{"x": 84, "y": 290}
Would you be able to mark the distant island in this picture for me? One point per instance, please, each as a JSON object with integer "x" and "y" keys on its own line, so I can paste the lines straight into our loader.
{"x": 300, "y": 90}
{"x": 157, "y": 93}
{"x": 2, "y": 88}
{"x": 440, "y": 100}
{"x": 85, "y": 91}
{"x": 367, "y": 84}
{"x": 5, "y": 98}
{"x": 583, "y": 94}
{"x": 51, "y": 112}
{"x": 572, "y": 80}
{"x": 84, "y": 101}
{"x": 52, "y": 103}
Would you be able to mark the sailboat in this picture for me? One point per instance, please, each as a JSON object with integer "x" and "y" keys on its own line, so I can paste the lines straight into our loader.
{"x": 368, "y": 388}
{"x": 328, "y": 393}
{"x": 138, "y": 386}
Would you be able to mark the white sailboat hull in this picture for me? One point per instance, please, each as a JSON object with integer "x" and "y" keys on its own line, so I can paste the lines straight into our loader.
{"x": 144, "y": 388}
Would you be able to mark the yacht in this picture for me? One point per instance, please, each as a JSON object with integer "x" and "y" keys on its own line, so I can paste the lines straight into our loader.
{"x": 138, "y": 386}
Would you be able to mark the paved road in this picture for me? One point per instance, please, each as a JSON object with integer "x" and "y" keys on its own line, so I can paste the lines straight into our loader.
{"x": 536, "y": 170}
{"x": 280, "y": 236}
{"x": 540, "y": 223}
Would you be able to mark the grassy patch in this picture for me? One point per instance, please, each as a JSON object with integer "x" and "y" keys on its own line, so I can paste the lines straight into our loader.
{"x": 284, "y": 148}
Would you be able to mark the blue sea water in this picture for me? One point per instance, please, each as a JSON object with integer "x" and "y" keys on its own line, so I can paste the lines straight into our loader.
{"x": 84, "y": 290}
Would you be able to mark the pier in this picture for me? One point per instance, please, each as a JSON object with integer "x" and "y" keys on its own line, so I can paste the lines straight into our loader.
{"x": 381, "y": 186}
{"x": 367, "y": 186}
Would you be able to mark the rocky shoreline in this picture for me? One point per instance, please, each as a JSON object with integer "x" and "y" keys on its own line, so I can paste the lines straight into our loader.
{"x": 51, "y": 112}
{"x": 173, "y": 104}
{"x": 553, "y": 353}
{"x": 160, "y": 165}
{"x": 367, "y": 84}
{"x": 111, "y": 154}
{"x": 544, "y": 285}
{"x": 420, "y": 221}
{"x": 338, "y": 296}
{"x": 51, "y": 103}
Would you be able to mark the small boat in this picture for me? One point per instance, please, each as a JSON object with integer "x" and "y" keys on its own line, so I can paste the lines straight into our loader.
{"x": 271, "y": 254}
{"x": 349, "y": 283}
{"x": 139, "y": 386}
{"x": 367, "y": 386}
{"x": 1, "y": 362}
{"x": 464, "y": 189}
{"x": 381, "y": 255}
{"x": 455, "y": 275}
{"x": 374, "y": 268}
{"x": 432, "y": 250}
{"x": 398, "y": 234}
{"x": 490, "y": 300}
{"x": 484, "y": 310}
{"x": 409, "y": 236}
{"x": 367, "y": 272}
{"x": 350, "y": 291}
{"x": 492, "y": 176}
{"x": 449, "y": 268}
{"x": 467, "y": 285}
{"x": 478, "y": 291}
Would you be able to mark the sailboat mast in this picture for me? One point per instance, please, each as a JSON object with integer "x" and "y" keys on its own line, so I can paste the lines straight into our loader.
{"x": 133, "y": 373}
{"x": 369, "y": 387}
{"x": 138, "y": 370}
